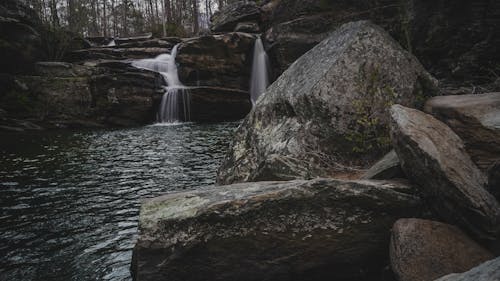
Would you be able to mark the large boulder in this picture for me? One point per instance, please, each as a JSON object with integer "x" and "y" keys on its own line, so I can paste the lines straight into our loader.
{"x": 426, "y": 250}
{"x": 488, "y": 271}
{"x": 216, "y": 60}
{"x": 329, "y": 110}
{"x": 323, "y": 229}
{"x": 228, "y": 18}
{"x": 476, "y": 119}
{"x": 434, "y": 157}
{"x": 19, "y": 40}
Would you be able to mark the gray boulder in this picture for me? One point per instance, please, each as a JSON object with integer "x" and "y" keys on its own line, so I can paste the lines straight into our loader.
{"x": 426, "y": 250}
{"x": 239, "y": 11}
{"x": 329, "y": 110}
{"x": 476, "y": 119}
{"x": 386, "y": 168}
{"x": 323, "y": 229}
{"x": 434, "y": 157}
{"x": 488, "y": 271}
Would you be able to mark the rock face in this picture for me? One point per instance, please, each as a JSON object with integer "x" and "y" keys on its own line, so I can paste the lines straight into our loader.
{"x": 476, "y": 119}
{"x": 434, "y": 157}
{"x": 386, "y": 168}
{"x": 427, "y": 250}
{"x": 296, "y": 26}
{"x": 228, "y": 18}
{"x": 488, "y": 271}
{"x": 330, "y": 105}
{"x": 289, "y": 40}
{"x": 216, "y": 60}
{"x": 212, "y": 104}
{"x": 456, "y": 40}
{"x": 63, "y": 95}
{"x": 19, "y": 41}
{"x": 322, "y": 229}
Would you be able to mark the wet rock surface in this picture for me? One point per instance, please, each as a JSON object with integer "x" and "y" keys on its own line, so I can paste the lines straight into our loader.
{"x": 217, "y": 60}
{"x": 476, "y": 119}
{"x": 314, "y": 230}
{"x": 426, "y": 250}
{"x": 435, "y": 159}
{"x": 317, "y": 118}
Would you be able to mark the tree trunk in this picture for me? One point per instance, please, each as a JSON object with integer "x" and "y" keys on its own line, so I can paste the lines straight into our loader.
{"x": 53, "y": 13}
{"x": 196, "y": 23}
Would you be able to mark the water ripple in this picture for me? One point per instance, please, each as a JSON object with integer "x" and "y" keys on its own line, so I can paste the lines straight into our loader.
{"x": 69, "y": 201}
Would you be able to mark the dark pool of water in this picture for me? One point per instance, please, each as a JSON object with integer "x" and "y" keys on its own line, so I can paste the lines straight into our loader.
{"x": 69, "y": 201}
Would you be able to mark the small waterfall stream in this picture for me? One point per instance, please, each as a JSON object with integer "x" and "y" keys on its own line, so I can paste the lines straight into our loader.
{"x": 260, "y": 71}
{"x": 176, "y": 102}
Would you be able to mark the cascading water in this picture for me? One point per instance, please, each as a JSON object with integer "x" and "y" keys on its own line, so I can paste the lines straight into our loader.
{"x": 176, "y": 102}
{"x": 260, "y": 71}
{"x": 111, "y": 43}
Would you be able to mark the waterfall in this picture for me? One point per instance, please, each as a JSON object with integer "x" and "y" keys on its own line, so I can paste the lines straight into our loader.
{"x": 260, "y": 71}
{"x": 176, "y": 102}
{"x": 111, "y": 43}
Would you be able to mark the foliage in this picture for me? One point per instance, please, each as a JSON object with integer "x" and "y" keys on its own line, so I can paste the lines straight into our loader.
{"x": 369, "y": 132}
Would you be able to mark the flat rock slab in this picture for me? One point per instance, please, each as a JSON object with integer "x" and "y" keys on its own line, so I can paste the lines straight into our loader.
{"x": 488, "y": 271}
{"x": 329, "y": 111}
{"x": 476, "y": 119}
{"x": 435, "y": 159}
{"x": 322, "y": 229}
{"x": 386, "y": 168}
{"x": 425, "y": 250}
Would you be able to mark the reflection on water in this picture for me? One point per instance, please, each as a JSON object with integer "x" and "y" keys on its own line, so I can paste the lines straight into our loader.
{"x": 69, "y": 201}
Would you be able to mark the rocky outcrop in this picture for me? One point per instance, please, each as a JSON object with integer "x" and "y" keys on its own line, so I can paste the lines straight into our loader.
{"x": 386, "y": 168}
{"x": 287, "y": 41}
{"x": 216, "y": 60}
{"x": 488, "y": 271}
{"x": 228, "y": 18}
{"x": 434, "y": 157}
{"x": 323, "y": 229}
{"x": 329, "y": 110}
{"x": 456, "y": 41}
{"x": 248, "y": 27}
{"x": 19, "y": 41}
{"x": 476, "y": 119}
{"x": 63, "y": 95}
{"x": 212, "y": 104}
{"x": 80, "y": 56}
{"x": 427, "y": 250}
